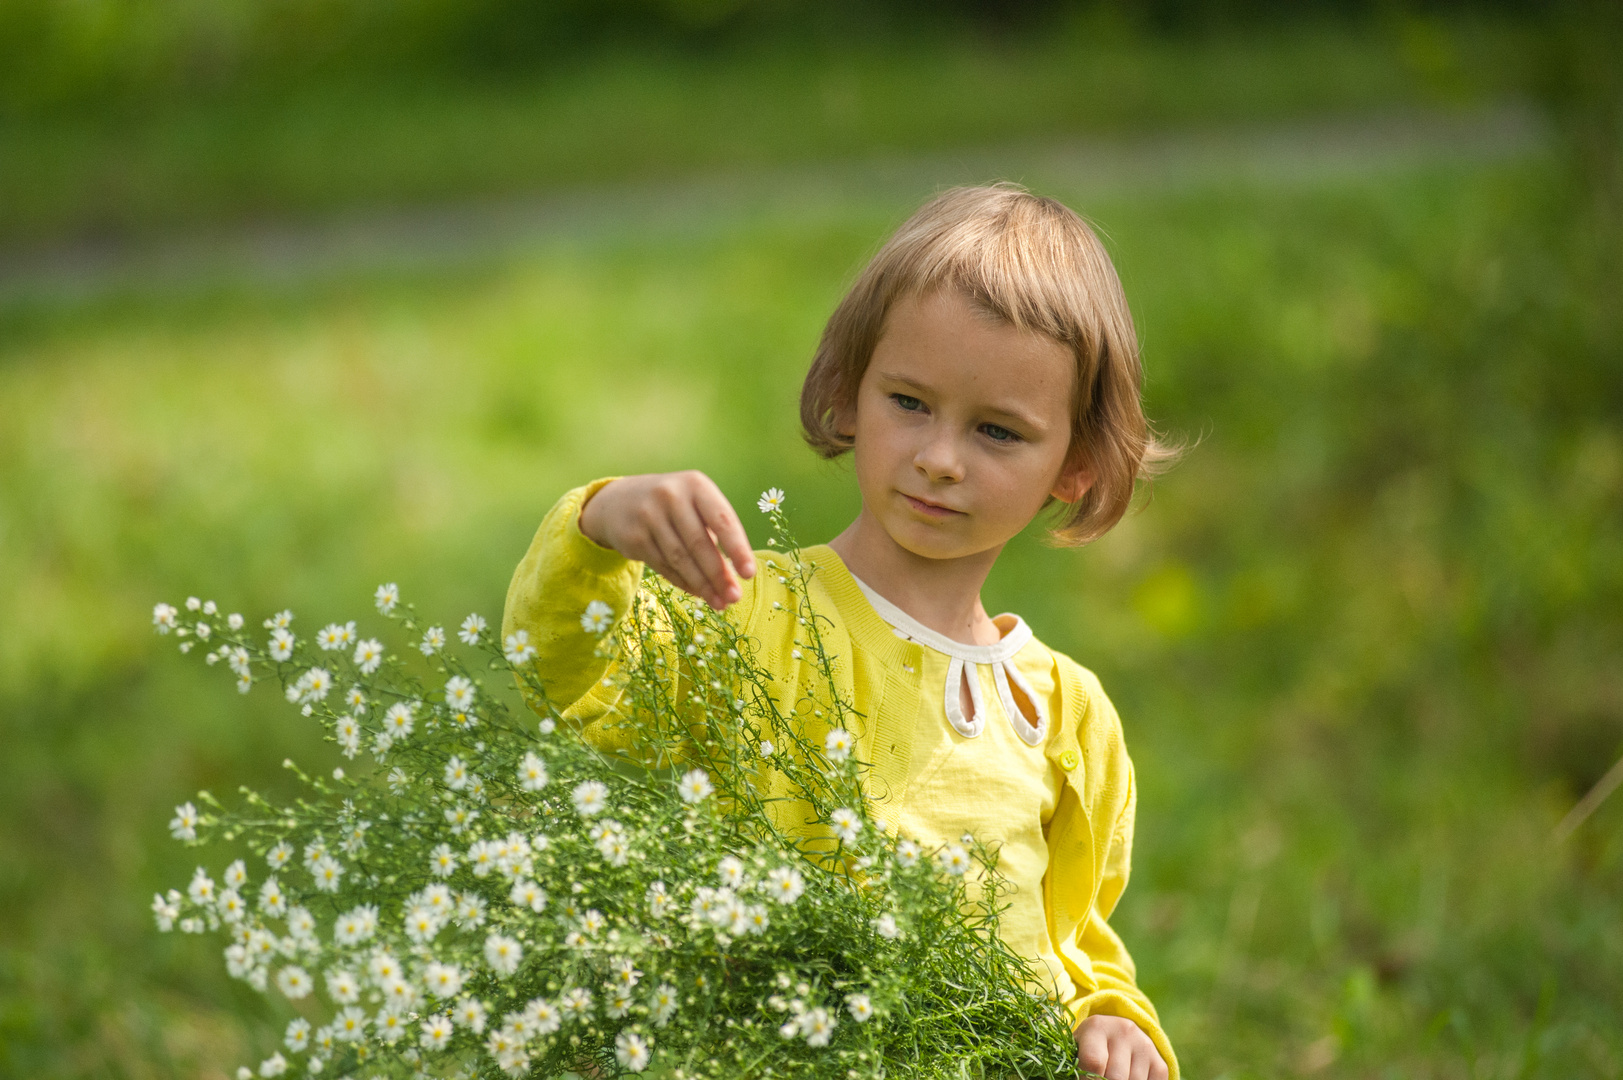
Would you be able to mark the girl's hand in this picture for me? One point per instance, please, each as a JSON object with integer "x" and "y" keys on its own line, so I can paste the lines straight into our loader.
{"x": 1117, "y": 1048}
{"x": 680, "y": 524}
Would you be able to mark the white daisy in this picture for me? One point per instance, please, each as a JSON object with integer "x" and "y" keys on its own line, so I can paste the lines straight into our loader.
{"x": 542, "y": 1016}
{"x": 183, "y": 826}
{"x": 443, "y": 980}
{"x": 470, "y": 910}
{"x": 694, "y": 786}
{"x": 343, "y": 987}
{"x": 503, "y": 954}
{"x": 818, "y": 1027}
{"x": 334, "y": 636}
{"x": 294, "y": 981}
{"x": 860, "y": 1008}
{"x": 355, "y": 699}
{"x": 767, "y": 748}
{"x": 201, "y": 889}
{"x": 771, "y": 499}
{"x": 631, "y": 1051}
{"x": 731, "y": 871}
{"x": 471, "y": 1015}
{"x": 442, "y": 861}
{"x": 785, "y": 885}
{"x": 532, "y": 773}
{"x": 591, "y": 797}
{"x": 347, "y": 732}
{"x": 281, "y": 645}
{"x": 907, "y": 854}
{"x": 847, "y": 825}
{"x": 517, "y": 648}
{"x": 234, "y": 621}
{"x": 436, "y": 1033}
{"x": 386, "y": 597}
{"x": 885, "y": 926}
{"x": 659, "y": 900}
{"x": 164, "y": 617}
{"x": 279, "y": 856}
{"x": 369, "y": 655}
{"x": 399, "y": 720}
{"x": 838, "y": 744}
{"x": 350, "y": 1025}
{"x": 297, "y": 1036}
{"x": 527, "y": 894}
{"x": 472, "y": 627}
{"x": 663, "y": 1003}
{"x": 597, "y": 617}
{"x": 433, "y": 640}
{"x": 301, "y": 924}
{"x": 390, "y": 1026}
{"x": 421, "y": 923}
{"x": 280, "y": 621}
{"x": 953, "y": 860}
{"x": 328, "y": 871}
{"x": 275, "y": 1065}
{"x": 459, "y": 693}
{"x": 456, "y": 773}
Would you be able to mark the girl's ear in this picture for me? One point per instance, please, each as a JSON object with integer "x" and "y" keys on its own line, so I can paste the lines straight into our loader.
{"x": 1074, "y": 480}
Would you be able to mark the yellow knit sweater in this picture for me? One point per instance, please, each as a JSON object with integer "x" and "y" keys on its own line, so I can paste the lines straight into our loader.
{"x": 1039, "y": 769}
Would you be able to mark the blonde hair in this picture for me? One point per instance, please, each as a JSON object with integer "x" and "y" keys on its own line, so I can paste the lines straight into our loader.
{"x": 1034, "y": 263}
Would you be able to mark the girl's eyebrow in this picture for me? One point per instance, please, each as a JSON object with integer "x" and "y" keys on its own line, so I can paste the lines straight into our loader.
{"x": 1019, "y": 419}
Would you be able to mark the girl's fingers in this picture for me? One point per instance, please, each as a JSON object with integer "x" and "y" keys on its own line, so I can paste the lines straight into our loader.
{"x": 1141, "y": 1063}
{"x": 718, "y": 516}
{"x": 680, "y": 559}
{"x": 1093, "y": 1049}
{"x": 701, "y": 547}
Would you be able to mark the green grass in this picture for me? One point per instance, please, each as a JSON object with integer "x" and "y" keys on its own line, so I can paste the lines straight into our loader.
{"x": 646, "y": 113}
{"x": 1364, "y": 638}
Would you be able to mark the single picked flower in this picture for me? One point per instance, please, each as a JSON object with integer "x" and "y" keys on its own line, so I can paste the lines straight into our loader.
{"x": 771, "y": 499}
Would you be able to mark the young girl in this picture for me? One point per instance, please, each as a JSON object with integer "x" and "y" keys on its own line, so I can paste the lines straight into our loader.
{"x": 983, "y": 366}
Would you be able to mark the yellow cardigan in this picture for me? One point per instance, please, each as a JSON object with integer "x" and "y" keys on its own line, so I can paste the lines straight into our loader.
{"x": 1050, "y": 785}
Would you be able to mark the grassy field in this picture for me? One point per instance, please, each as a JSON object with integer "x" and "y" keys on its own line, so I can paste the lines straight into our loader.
{"x": 1365, "y": 638}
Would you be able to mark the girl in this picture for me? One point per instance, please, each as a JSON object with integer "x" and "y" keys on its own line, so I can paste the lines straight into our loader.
{"x": 983, "y": 366}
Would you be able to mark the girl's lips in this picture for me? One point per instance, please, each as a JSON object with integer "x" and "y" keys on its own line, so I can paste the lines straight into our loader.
{"x": 930, "y": 508}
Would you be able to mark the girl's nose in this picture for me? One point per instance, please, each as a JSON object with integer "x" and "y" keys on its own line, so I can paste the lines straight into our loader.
{"x": 938, "y": 459}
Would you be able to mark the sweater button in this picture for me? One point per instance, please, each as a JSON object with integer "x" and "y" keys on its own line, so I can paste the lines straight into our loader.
{"x": 1068, "y": 760}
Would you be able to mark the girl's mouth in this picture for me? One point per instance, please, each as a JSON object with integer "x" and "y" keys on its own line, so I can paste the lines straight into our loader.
{"x": 930, "y": 509}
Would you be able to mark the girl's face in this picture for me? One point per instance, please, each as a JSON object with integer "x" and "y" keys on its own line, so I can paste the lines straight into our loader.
{"x": 962, "y": 427}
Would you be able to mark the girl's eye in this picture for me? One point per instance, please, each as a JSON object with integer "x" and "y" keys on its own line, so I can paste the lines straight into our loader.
{"x": 911, "y": 404}
{"x": 999, "y": 434}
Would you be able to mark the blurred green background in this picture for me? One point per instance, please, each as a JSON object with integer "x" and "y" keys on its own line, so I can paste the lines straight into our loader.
{"x": 298, "y": 296}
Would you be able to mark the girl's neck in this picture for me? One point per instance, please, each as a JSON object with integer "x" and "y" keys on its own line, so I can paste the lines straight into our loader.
{"x": 943, "y": 594}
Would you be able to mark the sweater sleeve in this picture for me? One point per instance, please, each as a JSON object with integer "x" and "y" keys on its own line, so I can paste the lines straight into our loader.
{"x": 1095, "y": 848}
{"x": 562, "y": 572}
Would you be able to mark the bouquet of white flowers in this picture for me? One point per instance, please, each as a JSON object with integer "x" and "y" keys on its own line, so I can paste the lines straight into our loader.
{"x": 480, "y": 893}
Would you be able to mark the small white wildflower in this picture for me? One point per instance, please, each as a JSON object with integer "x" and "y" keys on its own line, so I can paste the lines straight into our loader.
{"x": 860, "y": 1008}
{"x": 436, "y": 1033}
{"x": 527, "y": 894}
{"x": 659, "y": 900}
{"x": 355, "y": 925}
{"x": 328, "y": 871}
{"x": 369, "y": 655}
{"x": 279, "y": 855}
{"x": 355, "y": 700}
{"x": 838, "y": 744}
{"x": 767, "y": 748}
{"x": 399, "y": 721}
{"x": 694, "y": 786}
{"x": 201, "y": 889}
{"x": 275, "y": 1065}
{"x": 470, "y": 910}
{"x": 517, "y": 648}
{"x": 532, "y": 773}
{"x": 281, "y": 645}
{"x": 347, "y": 733}
{"x": 953, "y": 860}
{"x": 164, "y": 617}
{"x": 591, "y": 797}
{"x": 294, "y": 981}
{"x": 771, "y": 499}
{"x": 386, "y": 597}
{"x": 297, "y": 1036}
{"x": 234, "y": 621}
{"x": 459, "y": 693}
{"x": 543, "y": 1016}
{"x": 663, "y": 1003}
{"x": 472, "y": 627}
{"x": 335, "y": 636}
{"x": 280, "y": 621}
{"x": 818, "y": 1027}
{"x": 730, "y": 871}
{"x": 183, "y": 826}
{"x": 471, "y": 1015}
{"x": 343, "y": 987}
{"x": 301, "y": 924}
{"x": 907, "y": 854}
{"x": 847, "y": 825}
{"x": 456, "y": 773}
{"x": 442, "y": 861}
{"x": 597, "y": 617}
{"x": 350, "y": 1025}
{"x": 443, "y": 980}
{"x": 503, "y": 954}
{"x": 885, "y": 926}
{"x": 785, "y": 885}
{"x": 631, "y": 1051}
{"x": 433, "y": 640}
{"x": 421, "y": 923}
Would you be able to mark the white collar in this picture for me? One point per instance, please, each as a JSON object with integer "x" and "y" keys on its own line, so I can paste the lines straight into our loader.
{"x": 999, "y": 657}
